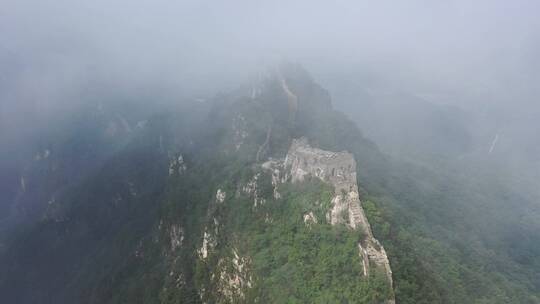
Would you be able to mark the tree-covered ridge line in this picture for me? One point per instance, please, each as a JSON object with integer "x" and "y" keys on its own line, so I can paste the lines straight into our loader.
{"x": 131, "y": 231}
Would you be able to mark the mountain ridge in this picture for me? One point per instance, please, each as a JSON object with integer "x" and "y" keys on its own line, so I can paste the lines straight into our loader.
{"x": 188, "y": 209}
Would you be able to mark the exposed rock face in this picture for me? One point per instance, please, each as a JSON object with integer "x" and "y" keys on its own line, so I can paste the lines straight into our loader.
{"x": 234, "y": 277}
{"x": 239, "y": 127}
{"x": 275, "y": 167}
{"x": 207, "y": 244}
{"x": 177, "y": 165}
{"x": 310, "y": 218}
{"x": 339, "y": 170}
{"x": 292, "y": 100}
{"x": 176, "y": 235}
{"x": 220, "y": 196}
{"x": 210, "y": 238}
{"x": 251, "y": 189}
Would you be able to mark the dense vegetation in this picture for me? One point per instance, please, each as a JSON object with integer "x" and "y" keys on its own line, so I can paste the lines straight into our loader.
{"x": 314, "y": 263}
{"x": 295, "y": 262}
{"x": 108, "y": 238}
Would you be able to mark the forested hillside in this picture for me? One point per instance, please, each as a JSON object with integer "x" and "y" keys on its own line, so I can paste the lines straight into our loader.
{"x": 179, "y": 207}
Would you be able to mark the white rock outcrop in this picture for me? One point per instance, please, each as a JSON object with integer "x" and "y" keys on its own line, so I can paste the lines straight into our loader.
{"x": 234, "y": 277}
{"x": 310, "y": 218}
{"x": 251, "y": 188}
{"x": 177, "y": 165}
{"x": 176, "y": 236}
{"x": 220, "y": 196}
{"x": 339, "y": 170}
{"x": 209, "y": 241}
{"x": 275, "y": 168}
{"x": 207, "y": 244}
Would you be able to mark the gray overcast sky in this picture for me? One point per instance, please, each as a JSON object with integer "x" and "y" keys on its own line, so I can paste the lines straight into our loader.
{"x": 481, "y": 54}
{"x": 48, "y": 47}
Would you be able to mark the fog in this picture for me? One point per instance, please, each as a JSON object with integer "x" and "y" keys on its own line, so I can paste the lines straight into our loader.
{"x": 478, "y": 55}
{"x": 98, "y": 202}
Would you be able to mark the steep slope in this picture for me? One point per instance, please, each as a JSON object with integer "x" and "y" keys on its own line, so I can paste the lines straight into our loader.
{"x": 252, "y": 198}
{"x": 277, "y": 224}
{"x": 339, "y": 170}
{"x": 37, "y": 169}
{"x": 475, "y": 220}
{"x": 265, "y": 240}
{"x": 188, "y": 214}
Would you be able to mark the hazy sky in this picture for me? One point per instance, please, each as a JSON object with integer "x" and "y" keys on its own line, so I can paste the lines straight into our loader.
{"x": 481, "y": 54}
{"x": 50, "y": 49}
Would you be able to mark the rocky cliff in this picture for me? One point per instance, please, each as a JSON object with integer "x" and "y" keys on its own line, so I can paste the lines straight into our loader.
{"x": 339, "y": 170}
{"x": 225, "y": 208}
